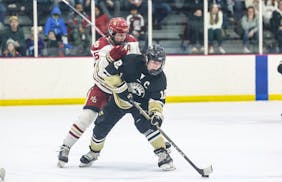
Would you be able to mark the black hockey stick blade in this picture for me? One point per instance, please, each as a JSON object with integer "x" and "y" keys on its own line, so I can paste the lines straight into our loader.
{"x": 205, "y": 172}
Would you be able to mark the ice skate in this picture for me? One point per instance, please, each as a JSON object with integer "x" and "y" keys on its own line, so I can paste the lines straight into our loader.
{"x": 87, "y": 159}
{"x": 165, "y": 161}
{"x": 63, "y": 156}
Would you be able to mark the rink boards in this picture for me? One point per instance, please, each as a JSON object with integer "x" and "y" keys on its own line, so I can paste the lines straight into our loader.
{"x": 43, "y": 81}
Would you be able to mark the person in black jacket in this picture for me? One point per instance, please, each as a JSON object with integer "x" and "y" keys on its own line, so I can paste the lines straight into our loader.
{"x": 14, "y": 32}
{"x": 195, "y": 29}
{"x": 276, "y": 24}
{"x": 139, "y": 78}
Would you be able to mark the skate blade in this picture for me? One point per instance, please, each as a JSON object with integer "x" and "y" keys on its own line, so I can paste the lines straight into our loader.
{"x": 61, "y": 164}
{"x": 168, "y": 167}
{"x": 83, "y": 165}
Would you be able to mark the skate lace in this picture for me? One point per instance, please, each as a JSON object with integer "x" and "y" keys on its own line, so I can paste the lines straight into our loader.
{"x": 91, "y": 155}
{"x": 64, "y": 150}
{"x": 162, "y": 156}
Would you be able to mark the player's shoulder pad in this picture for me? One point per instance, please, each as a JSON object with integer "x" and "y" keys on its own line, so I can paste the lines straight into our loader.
{"x": 99, "y": 44}
{"x": 130, "y": 38}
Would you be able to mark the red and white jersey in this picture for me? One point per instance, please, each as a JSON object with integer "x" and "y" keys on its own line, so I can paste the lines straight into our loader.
{"x": 100, "y": 50}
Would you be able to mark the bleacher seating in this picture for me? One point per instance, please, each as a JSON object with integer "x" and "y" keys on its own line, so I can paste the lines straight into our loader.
{"x": 171, "y": 33}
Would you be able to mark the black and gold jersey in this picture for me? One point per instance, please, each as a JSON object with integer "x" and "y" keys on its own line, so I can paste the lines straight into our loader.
{"x": 144, "y": 87}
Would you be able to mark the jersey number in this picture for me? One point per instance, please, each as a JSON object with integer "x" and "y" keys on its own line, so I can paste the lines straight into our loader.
{"x": 96, "y": 55}
{"x": 163, "y": 95}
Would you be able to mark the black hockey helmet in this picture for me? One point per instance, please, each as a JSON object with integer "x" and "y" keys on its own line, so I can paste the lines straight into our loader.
{"x": 156, "y": 53}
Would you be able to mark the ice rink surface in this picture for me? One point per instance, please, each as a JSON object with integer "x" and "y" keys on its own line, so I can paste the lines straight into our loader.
{"x": 242, "y": 140}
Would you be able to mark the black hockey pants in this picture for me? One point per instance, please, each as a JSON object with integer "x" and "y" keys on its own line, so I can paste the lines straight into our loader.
{"x": 111, "y": 114}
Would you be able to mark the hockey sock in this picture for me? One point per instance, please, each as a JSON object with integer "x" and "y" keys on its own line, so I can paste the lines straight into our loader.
{"x": 78, "y": 128}
{"x": 156, "y": 140}
{"x": 97, "y": 145}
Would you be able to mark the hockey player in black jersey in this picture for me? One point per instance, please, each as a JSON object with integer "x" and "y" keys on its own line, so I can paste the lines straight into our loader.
{"x": 140, "y": 77}
{"x": 280, "y": 67}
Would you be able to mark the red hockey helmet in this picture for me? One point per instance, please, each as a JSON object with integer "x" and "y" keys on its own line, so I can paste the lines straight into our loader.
{"x": 117, "y": 25}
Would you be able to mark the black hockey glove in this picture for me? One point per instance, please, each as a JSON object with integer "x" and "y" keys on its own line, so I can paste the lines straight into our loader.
{"x": 156, "y": 118}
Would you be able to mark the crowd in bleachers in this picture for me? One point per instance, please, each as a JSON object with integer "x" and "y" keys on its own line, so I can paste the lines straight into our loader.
{"x": 177, "y": 24}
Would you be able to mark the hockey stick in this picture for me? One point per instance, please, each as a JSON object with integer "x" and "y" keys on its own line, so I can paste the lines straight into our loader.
{"x": 85, "y": 18}
{"x": 204, "y": 172}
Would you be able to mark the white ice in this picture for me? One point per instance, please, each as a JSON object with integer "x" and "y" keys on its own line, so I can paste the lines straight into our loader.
{"x": 242, "y": 141}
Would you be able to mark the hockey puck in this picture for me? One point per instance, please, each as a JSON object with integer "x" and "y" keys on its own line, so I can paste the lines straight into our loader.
{"x": 205, "y": 176}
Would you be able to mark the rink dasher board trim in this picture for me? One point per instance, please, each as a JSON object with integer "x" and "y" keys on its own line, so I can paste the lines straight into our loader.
{"x": 170, "y": 99}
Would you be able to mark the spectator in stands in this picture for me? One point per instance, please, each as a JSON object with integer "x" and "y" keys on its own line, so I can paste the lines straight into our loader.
{"x": 3, "y": 11}
{"x": 56, "y": 24}
{"x": 239, "y": 9}
{"x": 249, "y": 25}
{"x": 15, "y": 33}
{"x": 268, "y": 6}
{"x": 276, "y": 25}
{"x": 63, "y": 7}
{"x": 30, "y": 43}
{"x": 109, "y": 6}
{"x": 136, "y": 24}
{"x": 179, "y": 6}
{"x": 195, "y": 24}
{"x": 44, "y": 8}
{"x": 142, "y": 6}
{"x": 101, "y": 21}
{"x": 87, "y": 5}
{"x": 10, "y": 50}
{"x": 19, "y": 8}
{"x": 54, "y": 48}
{"x": 129, "y": 3}
{"x": 238, "y": 12}
{"x": 79, "y": 30}
{"x": 215, "y": 19}
{"x": 160, "y": 11}
{"x": 223, "y": 6}
{"x": 254, "y": 3}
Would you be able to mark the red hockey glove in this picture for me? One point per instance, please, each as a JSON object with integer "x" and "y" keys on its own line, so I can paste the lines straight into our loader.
{"x": 116, "y": 53}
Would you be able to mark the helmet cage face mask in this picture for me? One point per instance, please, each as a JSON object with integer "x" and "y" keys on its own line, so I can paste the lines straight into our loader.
{"x": 117, "y": 25}
{"x": 156, "y": 53}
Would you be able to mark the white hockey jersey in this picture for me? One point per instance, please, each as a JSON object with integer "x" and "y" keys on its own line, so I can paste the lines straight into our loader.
{"x": 100, "y": 50}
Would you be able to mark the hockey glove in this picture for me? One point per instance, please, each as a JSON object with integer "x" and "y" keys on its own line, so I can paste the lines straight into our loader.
{"x": 156, "y": 118}
{"x": 116, "y": 53}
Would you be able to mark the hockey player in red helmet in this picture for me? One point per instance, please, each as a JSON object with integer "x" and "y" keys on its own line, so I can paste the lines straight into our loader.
{"x": 117, "y": 44}
{"x": 118, "y": 30}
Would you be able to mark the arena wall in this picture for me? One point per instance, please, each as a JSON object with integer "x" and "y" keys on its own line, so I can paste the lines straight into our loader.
{"x": 42, "y": 81}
